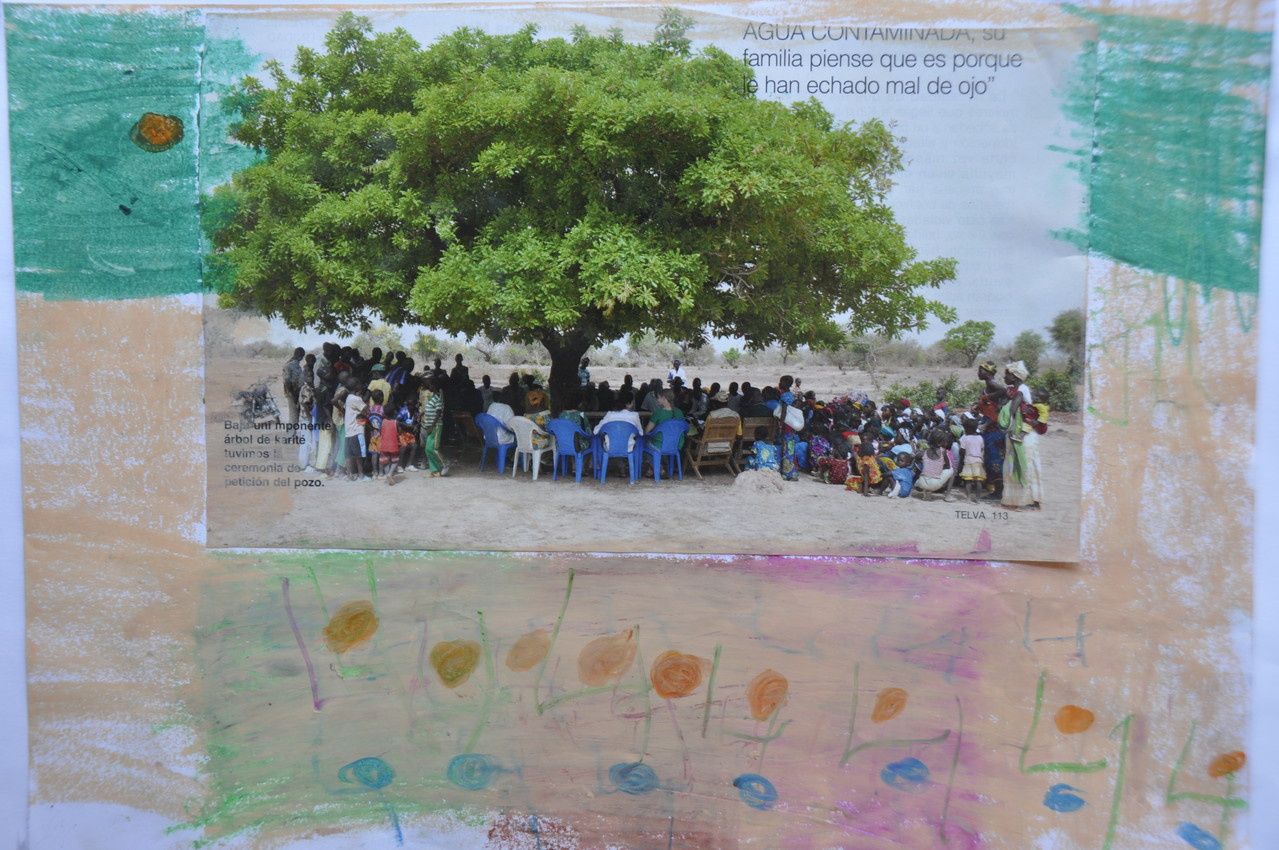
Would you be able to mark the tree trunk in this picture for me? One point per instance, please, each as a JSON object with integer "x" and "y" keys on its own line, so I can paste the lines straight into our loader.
{"x": 566, "y": 355}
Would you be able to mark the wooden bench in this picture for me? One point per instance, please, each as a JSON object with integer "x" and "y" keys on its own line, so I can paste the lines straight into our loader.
{"x": 747, "y": 439}
{"x": 715, "y": 446}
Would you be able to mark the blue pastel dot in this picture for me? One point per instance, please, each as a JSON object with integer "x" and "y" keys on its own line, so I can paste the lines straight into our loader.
{"x": 1197, "y": 838}
{"x": 909, "y": 774}
{"x": 755, "y": 791}
{"x": 1060, "y": 799}
{"x": 369, "y": 772}
{"x": 632, "y": 777}
{"x": 471, "y": 771}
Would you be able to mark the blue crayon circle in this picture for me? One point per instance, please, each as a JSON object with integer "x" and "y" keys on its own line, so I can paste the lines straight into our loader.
{"x": 471, "y": 771}
{"x": 632, "y": 777}
{"x": 370, "y": 772}
{"x": 1060, "y": 799}
{"x": 1197, "y": 838}
{"x": 909, "y": 774}
{"x": 755, "y": 791}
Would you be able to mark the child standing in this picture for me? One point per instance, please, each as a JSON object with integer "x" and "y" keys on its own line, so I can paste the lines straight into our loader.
{"x": 389, "y": 444}
{"x": 972, "y": 454}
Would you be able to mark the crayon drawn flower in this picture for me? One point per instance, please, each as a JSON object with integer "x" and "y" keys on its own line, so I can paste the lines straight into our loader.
{"x": 606, "y": 659}
{"x": 888, "y": 704}
{"x": 1071, "y": 719}
{"x": 1226, "y": 764}
{"x": 528, "y": 651}
{"x": 675, "y": 674}
{"x": 353, "y": 625}
{"x": 765, "y": 693}
{"x": 455, "y": 660}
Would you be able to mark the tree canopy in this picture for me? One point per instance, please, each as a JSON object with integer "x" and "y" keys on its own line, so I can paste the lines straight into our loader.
{"x": 1028, "y": 347}
{"x": 969, "y": 339}
{"x": 1067, "y": 332}
{"x": 569, "y": 192}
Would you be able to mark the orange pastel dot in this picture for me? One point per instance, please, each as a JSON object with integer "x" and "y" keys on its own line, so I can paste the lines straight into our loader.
{"x": 888, "y": 704}
{"x": 765, "y": 693}
{"x": 675, "y": 674}
{"x": 1226, "y": 764}
{"x": 1071, "y": 719}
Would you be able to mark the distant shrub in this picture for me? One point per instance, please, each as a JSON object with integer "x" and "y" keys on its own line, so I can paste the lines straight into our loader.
{"x": 1061, "y": 390}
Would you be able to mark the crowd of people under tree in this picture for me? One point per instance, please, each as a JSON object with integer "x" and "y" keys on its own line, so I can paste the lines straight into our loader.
{"x": 378, "y": 416}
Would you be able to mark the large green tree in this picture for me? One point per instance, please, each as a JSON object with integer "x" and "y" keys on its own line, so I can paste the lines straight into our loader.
{"x": 569, "y": 192}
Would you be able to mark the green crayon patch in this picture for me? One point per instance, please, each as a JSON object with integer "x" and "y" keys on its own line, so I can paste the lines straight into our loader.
{"x": 106, "y": 156}
{"x": 1175, "y": 161}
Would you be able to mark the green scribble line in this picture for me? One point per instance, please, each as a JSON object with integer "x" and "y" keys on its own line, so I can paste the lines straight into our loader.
{"x": 646, "y": 688}
{"x": 490, "y": 675}
{"x": 769, "y": 735}
{"x": 710, "y": 689}
{"x": 893, "y": 742}
{"x": 372, "y": 583}
{"x": 1120, "y": 775}
{"x": 319, "y": 594}
{"x": 587, "y": 692}
{"x": 950, "y": 777}
{"x": 1227, "y": 802}
{"x": 555, "y": 634}
{"x": 852, "y": 716}
{"x": 1223, "y": 828}
{"x": 761, "y": 739}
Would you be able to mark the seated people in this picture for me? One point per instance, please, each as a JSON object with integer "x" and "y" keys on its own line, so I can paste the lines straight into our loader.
{"x": 622, "y": 412}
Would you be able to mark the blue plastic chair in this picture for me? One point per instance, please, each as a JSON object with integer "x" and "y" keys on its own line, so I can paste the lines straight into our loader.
{"x": 663, "y": 442}
{"x": 618, "y": 436}
{"x": 564, "y": 431}
{"x": 492, "y": 427}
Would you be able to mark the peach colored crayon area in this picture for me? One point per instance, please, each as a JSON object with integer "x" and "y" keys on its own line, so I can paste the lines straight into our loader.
{"x": 352, "y": 626}
{"x": 1071, "y": 719}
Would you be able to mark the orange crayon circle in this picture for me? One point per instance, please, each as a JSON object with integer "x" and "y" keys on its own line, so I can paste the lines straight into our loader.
{"x": 155, "y": 133}
{"x": 353, "y": 625}
{"x": 890, "y": 703}
{"x": 455, "y": 660}
{"x": 1071, "y": 719}
{"x": 1226, "y": 764}
{"x": 528, "y": 651}
{"x": 675, "y": 674}
{"x": 606, "y": 659}
{"x": 765, "y": 693}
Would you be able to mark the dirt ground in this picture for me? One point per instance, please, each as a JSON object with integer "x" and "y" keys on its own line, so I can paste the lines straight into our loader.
{"x": 474, "y": 510}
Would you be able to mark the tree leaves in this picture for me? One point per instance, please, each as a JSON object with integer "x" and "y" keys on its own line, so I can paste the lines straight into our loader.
{"x": 565, "y": 191}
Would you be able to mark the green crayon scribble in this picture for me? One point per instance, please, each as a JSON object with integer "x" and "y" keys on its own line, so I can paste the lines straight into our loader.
{"x": 1175, "y": 159}
{"x": 95, "y": 215}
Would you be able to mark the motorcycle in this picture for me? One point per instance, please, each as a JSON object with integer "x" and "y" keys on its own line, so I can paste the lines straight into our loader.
{"x": 257, "y": 406}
